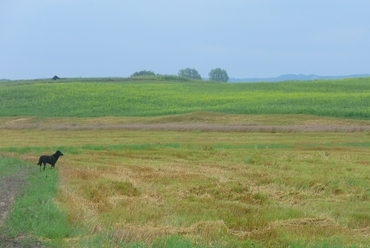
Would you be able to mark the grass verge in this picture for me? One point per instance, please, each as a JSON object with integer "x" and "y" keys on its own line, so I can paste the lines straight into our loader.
{"x": 34, "y": 215}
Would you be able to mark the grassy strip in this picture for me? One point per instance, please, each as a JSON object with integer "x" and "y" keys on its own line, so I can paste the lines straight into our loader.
{"x": 8, "y": 167}
{"x": 35, "y": 214}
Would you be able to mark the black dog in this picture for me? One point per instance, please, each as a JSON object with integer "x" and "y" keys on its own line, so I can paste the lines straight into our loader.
{"x": 45, "y": 159}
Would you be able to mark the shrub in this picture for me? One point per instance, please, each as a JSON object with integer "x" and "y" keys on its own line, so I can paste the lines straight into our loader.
{"x": 190, "y": 73}
{"x": 143, "y": 73}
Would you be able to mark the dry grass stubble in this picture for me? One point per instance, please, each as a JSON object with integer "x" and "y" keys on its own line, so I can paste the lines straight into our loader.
{"x": 142, "y": 199}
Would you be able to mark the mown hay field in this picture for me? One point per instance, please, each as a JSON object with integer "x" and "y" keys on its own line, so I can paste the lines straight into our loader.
{"x": 202, "y": 179}
{"x": 166, "y": 188}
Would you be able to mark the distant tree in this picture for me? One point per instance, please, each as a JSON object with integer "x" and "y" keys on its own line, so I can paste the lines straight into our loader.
{"x": 143, "y": 73}
{"x": 190, "y": 73}
{"x": 218, "y": 75}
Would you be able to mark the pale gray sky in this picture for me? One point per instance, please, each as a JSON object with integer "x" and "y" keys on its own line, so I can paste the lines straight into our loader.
{"x": 247, "y": 38}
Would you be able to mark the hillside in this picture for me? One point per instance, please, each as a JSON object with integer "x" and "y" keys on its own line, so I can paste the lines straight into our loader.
{"x": 347, "y": 98}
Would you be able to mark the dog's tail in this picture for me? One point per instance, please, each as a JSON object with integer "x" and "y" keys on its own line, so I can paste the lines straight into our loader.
{"x": 39, "y": 163}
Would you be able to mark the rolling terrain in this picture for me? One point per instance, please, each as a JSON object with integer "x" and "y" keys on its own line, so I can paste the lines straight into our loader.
{"x": 156, "y": 163}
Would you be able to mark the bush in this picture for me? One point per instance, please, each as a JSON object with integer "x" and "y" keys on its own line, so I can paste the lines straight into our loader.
{"x": 143, "y": 73}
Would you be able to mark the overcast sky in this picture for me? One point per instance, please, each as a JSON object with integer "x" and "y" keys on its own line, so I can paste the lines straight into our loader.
{"x": 247, "y": 38}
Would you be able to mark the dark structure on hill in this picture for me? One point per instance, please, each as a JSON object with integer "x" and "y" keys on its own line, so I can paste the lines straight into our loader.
{"x": 56, "y": 77}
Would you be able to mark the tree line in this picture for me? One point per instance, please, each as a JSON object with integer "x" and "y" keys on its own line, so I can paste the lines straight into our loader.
{"x": 217, "y": 74}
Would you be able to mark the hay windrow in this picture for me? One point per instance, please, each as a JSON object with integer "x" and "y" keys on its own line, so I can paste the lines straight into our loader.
{"x": 207, "y": 122}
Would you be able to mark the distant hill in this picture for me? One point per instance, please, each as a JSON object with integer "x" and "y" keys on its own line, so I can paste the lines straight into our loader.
{"x": 293, "y": 77}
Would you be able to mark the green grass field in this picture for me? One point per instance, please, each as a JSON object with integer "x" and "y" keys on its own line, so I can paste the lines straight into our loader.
{"x": 135, "y": 177}
{"x": 347, "y": 98}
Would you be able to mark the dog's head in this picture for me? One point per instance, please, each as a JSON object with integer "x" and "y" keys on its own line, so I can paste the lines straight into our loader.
{"x": 59, "y": 153}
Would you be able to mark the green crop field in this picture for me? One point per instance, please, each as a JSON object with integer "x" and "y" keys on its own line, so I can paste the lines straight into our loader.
{"x": 163, "y": 163}
{"x": 342, "y": 98}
